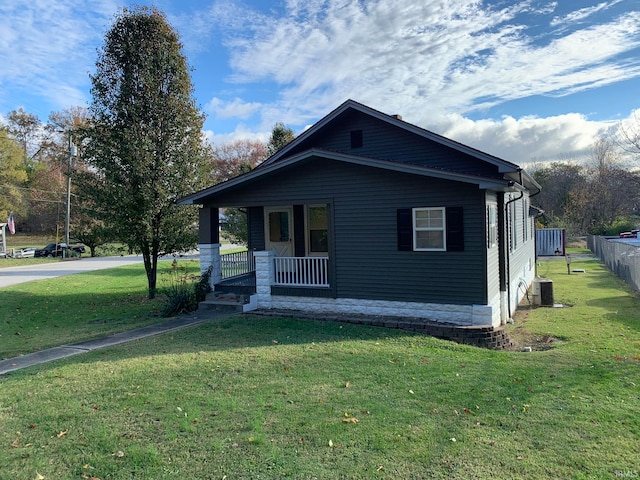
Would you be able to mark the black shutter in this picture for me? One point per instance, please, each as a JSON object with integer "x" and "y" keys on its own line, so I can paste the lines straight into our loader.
{"x": 455, "y": 229}
{"x": 405, "y": 229}
{"x": 298, "y": 231}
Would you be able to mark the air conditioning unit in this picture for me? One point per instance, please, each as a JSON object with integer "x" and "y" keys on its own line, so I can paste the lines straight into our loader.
{"x": 542, "y": 292}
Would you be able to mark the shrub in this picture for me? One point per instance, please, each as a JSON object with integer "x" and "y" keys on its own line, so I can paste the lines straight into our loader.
{"x": 184, "y": 290}
{"x": 203, "y": 286}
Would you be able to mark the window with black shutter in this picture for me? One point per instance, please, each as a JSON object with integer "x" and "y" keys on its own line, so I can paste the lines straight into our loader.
{"x": 430, "y": 229}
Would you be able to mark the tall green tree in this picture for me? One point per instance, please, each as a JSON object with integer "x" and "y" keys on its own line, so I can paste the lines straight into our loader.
{"x": 145, "y": 144}
{"x": 281, "y": 135}
{"x": 13, "y": 176}
{"x": 24, "y": 127}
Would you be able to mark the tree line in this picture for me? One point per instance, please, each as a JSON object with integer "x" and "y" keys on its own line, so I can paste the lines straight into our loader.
{"x": 599, "y": 196}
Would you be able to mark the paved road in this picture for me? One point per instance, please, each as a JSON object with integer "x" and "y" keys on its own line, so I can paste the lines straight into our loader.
{"x": 28, "y": 273}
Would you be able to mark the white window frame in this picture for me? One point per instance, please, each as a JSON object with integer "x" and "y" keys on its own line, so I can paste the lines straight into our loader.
{"x": 307, "y": 229}
{"x": 442, "y": 229}
{"x": 492, "y": 225}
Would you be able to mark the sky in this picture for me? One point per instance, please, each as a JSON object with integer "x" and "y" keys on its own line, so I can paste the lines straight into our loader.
{"x": 529, "y": 81}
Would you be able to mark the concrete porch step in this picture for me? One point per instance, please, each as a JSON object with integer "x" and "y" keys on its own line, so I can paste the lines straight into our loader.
{"x": 224, "y": 301}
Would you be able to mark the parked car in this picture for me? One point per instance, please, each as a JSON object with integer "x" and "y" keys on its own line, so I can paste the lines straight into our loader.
{"x": 59, "y": 249}
{"x": 24, "y": 253}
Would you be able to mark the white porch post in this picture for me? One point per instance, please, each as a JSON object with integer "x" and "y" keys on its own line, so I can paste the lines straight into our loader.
{"x": 210, "y": 256}
{"x": 264, "y": 276}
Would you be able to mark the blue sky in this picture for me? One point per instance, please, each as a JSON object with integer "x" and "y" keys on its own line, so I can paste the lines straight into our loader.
{"x": 529, "y": 80}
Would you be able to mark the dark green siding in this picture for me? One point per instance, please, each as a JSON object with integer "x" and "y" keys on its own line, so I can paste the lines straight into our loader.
{"x": 387, "y": 142}
{"x": 364, "y": 203}
{"x": 255, "y": 222}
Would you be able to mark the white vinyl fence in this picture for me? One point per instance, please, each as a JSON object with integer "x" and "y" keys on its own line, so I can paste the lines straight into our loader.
{"x": 621, "y": 258}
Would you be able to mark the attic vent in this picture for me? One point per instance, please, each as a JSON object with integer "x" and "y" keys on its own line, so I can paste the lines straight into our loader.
{"x": 356, "y": 138}
{"x": 397, "y": 116}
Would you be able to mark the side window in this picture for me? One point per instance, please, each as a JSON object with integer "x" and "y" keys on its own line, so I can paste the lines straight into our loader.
{"x": 492, "y": 226}
{"x": 428, "y": 229}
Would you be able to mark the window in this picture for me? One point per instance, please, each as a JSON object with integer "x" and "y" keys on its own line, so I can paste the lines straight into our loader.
{"x": 356, "y": 138}
{"x": 317, "y": 229}
{"x": 525, "y": 220}
{"x": 278, "y": 226}
{"x": 429, "y": 229}
{"x": 492, "y": 226}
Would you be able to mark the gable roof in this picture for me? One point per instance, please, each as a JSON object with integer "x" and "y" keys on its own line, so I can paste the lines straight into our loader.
{"x": 513, "y": 177}
{"x": 503, "y": 165}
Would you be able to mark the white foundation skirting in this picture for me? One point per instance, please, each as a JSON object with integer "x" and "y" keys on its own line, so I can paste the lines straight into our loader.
{"x": 464, "y": 315}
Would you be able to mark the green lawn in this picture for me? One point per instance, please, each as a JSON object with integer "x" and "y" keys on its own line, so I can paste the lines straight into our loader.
{"x": 251, "y": 397}
{"x": 73, "y": 308}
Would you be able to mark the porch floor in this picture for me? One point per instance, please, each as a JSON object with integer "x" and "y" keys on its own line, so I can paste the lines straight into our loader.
{"x": 241, "y": 284}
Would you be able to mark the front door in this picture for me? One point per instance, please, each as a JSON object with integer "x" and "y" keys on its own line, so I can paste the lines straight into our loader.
{"x": 279, "y": 230}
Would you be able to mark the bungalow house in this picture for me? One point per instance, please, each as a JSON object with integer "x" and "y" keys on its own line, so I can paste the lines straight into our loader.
{"x": 365, "y": 213}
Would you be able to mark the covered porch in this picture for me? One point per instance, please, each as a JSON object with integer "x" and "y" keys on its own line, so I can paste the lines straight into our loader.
{"x": 287, "y": 254}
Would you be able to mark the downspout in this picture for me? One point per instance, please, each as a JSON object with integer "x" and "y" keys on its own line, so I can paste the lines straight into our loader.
{"x": 507, "y": 257}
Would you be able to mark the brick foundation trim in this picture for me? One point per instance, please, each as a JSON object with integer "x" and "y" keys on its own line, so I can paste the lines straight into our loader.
{"x": 480, "y": 336}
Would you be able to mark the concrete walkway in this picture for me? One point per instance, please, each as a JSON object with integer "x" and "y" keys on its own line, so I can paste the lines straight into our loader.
{"x": 64, "y": 351}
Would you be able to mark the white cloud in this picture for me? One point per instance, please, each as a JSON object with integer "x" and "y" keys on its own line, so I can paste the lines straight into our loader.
{"x": 241, "y": 132}
{"x": 47, "y": 46}
{"x": 526, "y": 139}
{"x": 236, "y": 108}
{"x": 432, "y": 60}
{"x": 583, "y": 13}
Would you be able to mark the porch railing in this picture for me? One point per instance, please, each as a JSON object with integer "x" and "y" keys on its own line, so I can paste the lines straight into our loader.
{"x": 237, "y": 263}
{"x": 302, "y": 271}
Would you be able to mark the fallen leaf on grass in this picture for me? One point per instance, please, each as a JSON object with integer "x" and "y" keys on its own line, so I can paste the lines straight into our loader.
{"x": 350, "y": 420}
{"x": 331, "y": 443}
{"x": 39, "y": 476}
{"x": 62, "y": 433}
{"x": 347, "y": 384}
{"x": 15, "y": 443}
{"x": 466, "y": 410}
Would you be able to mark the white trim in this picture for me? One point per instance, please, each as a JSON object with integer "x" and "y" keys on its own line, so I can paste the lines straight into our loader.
{"x": 307, "y": 230}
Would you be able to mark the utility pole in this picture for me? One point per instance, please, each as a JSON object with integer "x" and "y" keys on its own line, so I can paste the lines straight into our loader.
{"x": 72, "y": 153}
